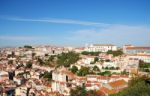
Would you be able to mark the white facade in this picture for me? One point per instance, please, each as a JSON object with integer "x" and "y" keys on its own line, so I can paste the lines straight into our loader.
{"x": 100, "y": 48}
{"x": 143, "y": 57}
{"x": 59, "y": 83}
{"x": 88, "y": 60}
{"x": 109, "y": 64}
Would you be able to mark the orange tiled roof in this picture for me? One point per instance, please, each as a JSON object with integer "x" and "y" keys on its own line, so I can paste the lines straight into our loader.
{"x": 141, "y": 48}
{"x": 118, "y": 83}
{"x": 103, "y": 77}
{"x": 107, "y": 91}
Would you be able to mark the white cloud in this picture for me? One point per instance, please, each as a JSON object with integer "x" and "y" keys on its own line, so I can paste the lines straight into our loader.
{"x": 116, "y": 34}
{"x": 100, "y": 33}
{"x": 55, "y": 20}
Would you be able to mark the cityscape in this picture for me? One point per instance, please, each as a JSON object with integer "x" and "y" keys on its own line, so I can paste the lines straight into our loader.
{"x": 74, "y": 48}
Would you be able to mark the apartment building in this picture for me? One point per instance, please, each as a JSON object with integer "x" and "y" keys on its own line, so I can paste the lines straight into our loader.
{"x": 100, "y": 48}
{"x": 130, "y": 49}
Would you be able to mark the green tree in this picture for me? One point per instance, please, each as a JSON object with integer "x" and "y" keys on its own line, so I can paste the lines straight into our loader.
{"x": 81, "y": 91}
{"x": 96, "y": 59}
{"x": 83, "y": 71}
{"x": 66, "y": 59}
{"x": 28, "y": 46}
{"x": 124, "y": 72}
{"x": 138, "y": 86}
{"x": 105, "y": 73}
{"x": 51, "y": 58}
{"x": 29, "y": 65}
{"x": 92, "y": 93}
{"x": 90, "y": 53}
{"x": 78, "y": 91}
{"x": 47, "y": 75}
{"x": 40, "y": 61}
{"x": 74, "y": 69}
{"x": 107, "y": 60}
{"x": 115, "y": 53}
{"x": 95, "y": 68}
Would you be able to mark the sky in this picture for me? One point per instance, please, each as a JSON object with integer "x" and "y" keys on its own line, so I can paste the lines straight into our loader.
{"x": 74, "y": 22}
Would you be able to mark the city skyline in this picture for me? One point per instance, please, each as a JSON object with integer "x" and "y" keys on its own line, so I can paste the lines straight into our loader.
{"x": 74, "y": 23}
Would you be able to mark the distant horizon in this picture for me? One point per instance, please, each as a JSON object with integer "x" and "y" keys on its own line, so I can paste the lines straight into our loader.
{"x": 67, "y": 45}
{"x": 74, "y": 22}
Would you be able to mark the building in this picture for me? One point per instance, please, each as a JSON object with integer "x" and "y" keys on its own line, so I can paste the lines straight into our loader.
{"x": 113, "y": 87}
{"x": 61, "y": 81}
{"x": 100, "y": 48}
{"x": 143, "y": 57}
{"x": 88, "y": 59}
{"x": 129, "y": 49}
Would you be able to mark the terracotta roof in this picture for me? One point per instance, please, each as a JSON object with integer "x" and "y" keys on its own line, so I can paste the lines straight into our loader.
{"x": 103, "y": 77}
{"x": 141, "y": 55}
{"x": 81, "y": 78}
{"x": 107, "y": 91}
{"x": 140, "y": 48}
{"x": 92, "y": 82}
{"x": 118, "y": 83}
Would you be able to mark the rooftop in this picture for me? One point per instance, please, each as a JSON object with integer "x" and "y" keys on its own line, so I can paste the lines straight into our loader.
{"x": 139, "y": 48}
{"x": 103, "y": 45}
{"x": 118, "y": 83}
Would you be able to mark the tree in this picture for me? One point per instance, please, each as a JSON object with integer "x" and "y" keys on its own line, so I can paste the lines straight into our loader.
{"x": 33, "y": 55}
{"x": 138, "y": 86}
{"x": 92, "y": 93}
{"x": 66, "y": 59}
{"x": 28, "y": 46}
{"x": 51, "y": 58}
{"x": 115, "y": 53}
{"x": 96, "y": 59}
{"x": 81, "y": 91}
{"x": 83, "y": 71}
{"x": 112, "y": 68}
{"x": 78, "y": 91}
{"x": 40, "y": 61}
{"x": 90, "y": 53}
{"x": 10, "y": 62}
{"x": 74, "y": 69}
{"x": 141, "y": 63}
{"x": 95, "y": 68}
{"x": 124, "y": 72}
{"x": 29, "y": 65}
{"x": 106, "y": 73}
{"x": 85, "y": 53}
{"x": 107, "y": 60}
{"x": 117, "y": 68}
{"x": 47, "y": 75}
{"x": 144, "y": 66}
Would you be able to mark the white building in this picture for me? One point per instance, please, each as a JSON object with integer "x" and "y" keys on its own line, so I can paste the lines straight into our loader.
{"x": 130, "y": 49}
{"x": 110, "y": 64}
{"x": 88, "y": 59}
{"x": 100, "y": 48}
{"x": 143, "y": 57}
{"x": 61, "y": 80}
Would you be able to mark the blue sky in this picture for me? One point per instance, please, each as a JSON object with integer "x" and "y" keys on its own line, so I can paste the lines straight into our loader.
{"x": 74, "y": 22}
